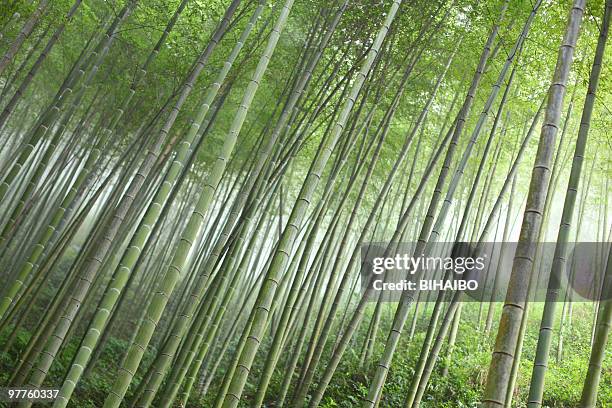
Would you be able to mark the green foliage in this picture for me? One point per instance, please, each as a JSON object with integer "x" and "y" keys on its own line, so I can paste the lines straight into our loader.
{"x": 463, "y": 386}
{"x": 469, "y": 20}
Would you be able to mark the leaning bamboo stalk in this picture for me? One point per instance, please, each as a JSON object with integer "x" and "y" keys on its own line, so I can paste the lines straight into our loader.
{"x": 23, "y": 35}
{"x": 141, "y": 236}
{"x": 536, "y": 389}
{"x": 23, "y": 86}
{"x": 190, "y": 233}
{"x": 354, "y": 257}
{"x": 151, "y": 389}
{"x": 426, "y": 238}
{"x": 588, "y": 398}
{"x": 455, "y": 302}
{"x": 507, "y": 336}
{"x": 280, "y": 259}
{"x": 86, "y": 64}
{"x": 94, "y": 262}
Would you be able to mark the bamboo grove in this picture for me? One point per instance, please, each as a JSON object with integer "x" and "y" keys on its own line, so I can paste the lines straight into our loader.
{"x": 187, "y": 186}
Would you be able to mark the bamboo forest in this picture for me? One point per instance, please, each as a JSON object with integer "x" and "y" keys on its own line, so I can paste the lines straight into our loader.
{"x": 305, "y": 203}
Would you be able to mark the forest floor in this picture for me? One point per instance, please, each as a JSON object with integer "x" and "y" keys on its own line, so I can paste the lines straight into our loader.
{"x": 462, "y": 387}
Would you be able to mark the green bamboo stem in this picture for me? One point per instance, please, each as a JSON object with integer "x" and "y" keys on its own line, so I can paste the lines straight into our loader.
{"x": 96, "y": 260}
{"x": 23, "y": 34}
{"x": 536, "y": 389}
{"x": 507, "y": 337}
{"x": 20, "y": 91}
{"x": 190, "y": 233}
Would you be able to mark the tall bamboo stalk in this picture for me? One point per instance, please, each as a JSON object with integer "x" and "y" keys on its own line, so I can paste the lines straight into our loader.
{"x": 507, "y": 335}
{"x": 536, "y": 389}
